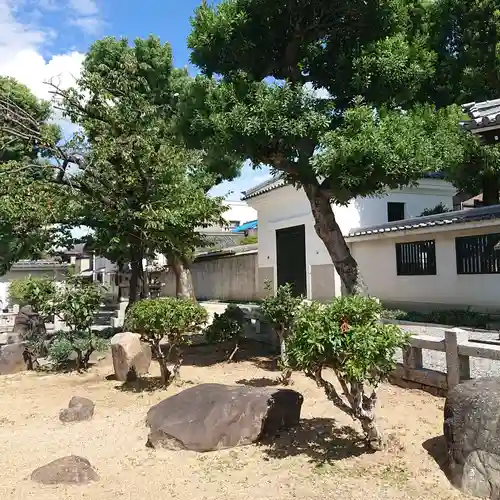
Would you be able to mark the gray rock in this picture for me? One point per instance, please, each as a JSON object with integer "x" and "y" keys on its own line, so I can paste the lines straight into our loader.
{"x": 131, "y": 357}
{"x": 214, "y": 416}
{"x": 472, "y": 435}
{"x": 13, "y": 359}
{"x": 66, "y": 470}
{"x": 11, "y": 338}
{"x": 28, "y": 321}
{"x": 78, "y": 409}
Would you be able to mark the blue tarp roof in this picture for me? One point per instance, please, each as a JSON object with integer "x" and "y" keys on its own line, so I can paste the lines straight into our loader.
{"x": 245, "y": 227}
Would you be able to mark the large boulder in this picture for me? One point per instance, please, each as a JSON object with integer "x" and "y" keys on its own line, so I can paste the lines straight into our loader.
{"x": 66, "y": 470}
{"x": 472, "y": 435}
{"x": 13, "y": 359}
{"x": 214, "y": 416}
{"x": 131, "y": 357}
{"x": 78, "y": 409}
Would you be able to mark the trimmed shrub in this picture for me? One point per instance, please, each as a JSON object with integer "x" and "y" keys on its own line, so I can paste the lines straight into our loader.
{"x": 172, "y": 318}
{"x": 347, "y": 337}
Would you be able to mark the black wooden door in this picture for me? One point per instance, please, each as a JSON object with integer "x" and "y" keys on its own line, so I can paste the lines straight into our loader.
{"x": 291, "y": 258}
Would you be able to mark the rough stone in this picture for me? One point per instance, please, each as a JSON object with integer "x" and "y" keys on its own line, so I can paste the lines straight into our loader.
{"x": 131, "y": 357}
{"x": 66, "y": 470}
{"x": 11, "y": 338}
{"x": 78, "y": 409}
{"x": 12, "y": 359}
{"x": 472, "y": 435}
{"x": 27, "y": 321}
{"x": 215, "y": 416}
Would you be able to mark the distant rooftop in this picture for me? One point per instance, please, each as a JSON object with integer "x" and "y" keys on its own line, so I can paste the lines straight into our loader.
{"x": 458, "y": 217}
{"x": 39, "y": 264}
{"x": 482, "y": 114}
{"x": 278, "y": 182}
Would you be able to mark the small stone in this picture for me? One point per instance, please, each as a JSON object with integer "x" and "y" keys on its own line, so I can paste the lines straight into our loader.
{"x": 67, "y": 470}
{"x": 12, "y": 359}
{"x": 79, "y": 409}
{"x": 11, "y": 338}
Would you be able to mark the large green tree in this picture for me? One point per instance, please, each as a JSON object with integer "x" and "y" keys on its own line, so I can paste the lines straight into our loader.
{"x": 148, "y": 193}
{"x": 465, "y": 37}
{"x": 140, "y": 191}
{"x": 32, "y": 212}
{"x": 323, "y": 92}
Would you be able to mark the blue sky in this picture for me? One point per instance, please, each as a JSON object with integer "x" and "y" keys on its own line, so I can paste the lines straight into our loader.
{"x": 42, "y": 40}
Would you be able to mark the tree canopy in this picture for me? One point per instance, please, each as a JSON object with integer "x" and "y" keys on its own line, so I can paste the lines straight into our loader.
{"x": 144, "y": 191}
{"x": 465, "y": 36}
{"x": 136, "y": 185}
{"x": 32, "y": 212}
{"x": 329, "y": 94}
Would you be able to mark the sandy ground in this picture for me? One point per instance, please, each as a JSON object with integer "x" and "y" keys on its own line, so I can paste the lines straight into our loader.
{"x": 322, "y": 459}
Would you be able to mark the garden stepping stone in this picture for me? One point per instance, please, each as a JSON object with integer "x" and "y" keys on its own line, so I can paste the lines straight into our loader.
{"x": 66, "y": 470}
{"x": 78, "y": 409}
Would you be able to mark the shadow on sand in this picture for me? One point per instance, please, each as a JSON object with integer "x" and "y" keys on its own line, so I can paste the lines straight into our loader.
{"x": 249, "y": 350}
{"x": 146, "y": 384}
{"x": 436, "y": 448}
{"x": 317, "y": 438}
{"x": 259, "y": 382}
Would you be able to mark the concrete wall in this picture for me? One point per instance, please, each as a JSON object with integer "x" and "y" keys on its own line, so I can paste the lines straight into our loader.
{"x": 222, "y": 278}
{"x": 376, "y": 257}
{"x": 17, "y": 274}
{"x": 287, "y": 206}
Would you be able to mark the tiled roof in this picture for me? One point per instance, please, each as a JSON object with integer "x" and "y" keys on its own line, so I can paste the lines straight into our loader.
{"x": 38, "y": 264}
{"x": 458, "y": 217}
{"x": 482, "y": 114}
{"x": 278, "y": 182}
{"x": 264, "y": 187}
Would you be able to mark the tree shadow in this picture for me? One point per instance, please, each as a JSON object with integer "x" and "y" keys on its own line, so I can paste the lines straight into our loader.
{"x": 203, "y": 355}
{"x": 259, "y": 382}
{"x": 149, "y": 384}
{"x": 319, "y": 439}
{"x": 436, "y": 448}
{"x": 146, "y": 384}
{"x": 269, "y": 365}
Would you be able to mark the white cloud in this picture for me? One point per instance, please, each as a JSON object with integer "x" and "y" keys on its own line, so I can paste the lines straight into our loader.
{"x": 84, "y": 7}
{"x": 20, "y": 58}
{"x": 89, "y": 25}
{"x": 86, "y": 16}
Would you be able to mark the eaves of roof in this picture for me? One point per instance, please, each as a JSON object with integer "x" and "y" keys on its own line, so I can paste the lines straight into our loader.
{"x": 482, "y": 114}
{"x": 278, "y": 182}
{"x": 39, "y": 264}
{"x": 458, "y": 217}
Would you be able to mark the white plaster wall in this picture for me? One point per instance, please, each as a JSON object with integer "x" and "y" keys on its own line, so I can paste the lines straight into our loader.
{"x": 377, "y": 263}
{"x": 14, "y": 274}
{"x": 287, "y": 206}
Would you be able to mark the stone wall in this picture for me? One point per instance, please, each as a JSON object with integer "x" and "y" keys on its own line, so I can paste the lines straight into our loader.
{"x": 228, "y": 277}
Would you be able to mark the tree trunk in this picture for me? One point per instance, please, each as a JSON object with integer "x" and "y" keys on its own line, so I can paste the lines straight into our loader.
{"x": 134, "y": 283}
{"x": 359, "y": 406}
{"x": 163, "y": 362}
{"x": 491, "y": 189}
{"x": 184, "y": 288}
{"x": 330, "y": 233}
{"x": 139, "y": 288}
{"x": 286, "y": 372}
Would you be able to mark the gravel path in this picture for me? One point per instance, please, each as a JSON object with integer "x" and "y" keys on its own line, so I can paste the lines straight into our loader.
{"x": 436, "y": 360}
